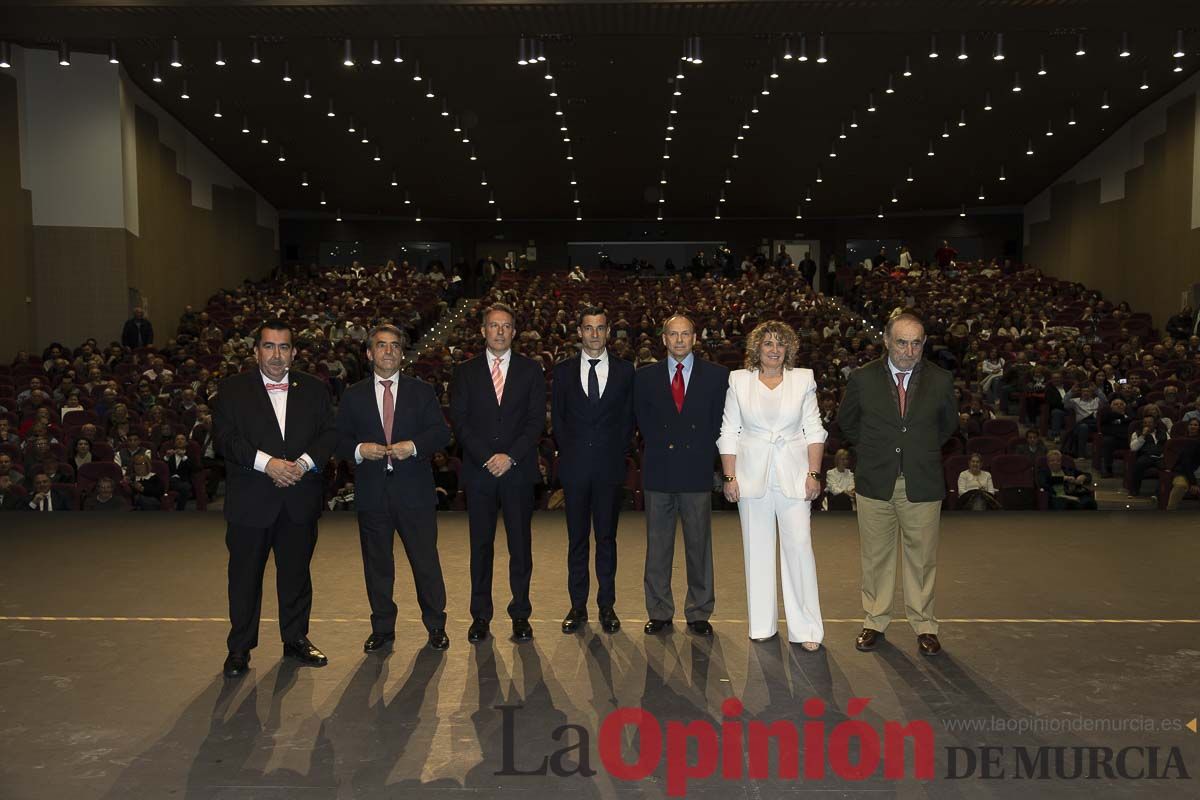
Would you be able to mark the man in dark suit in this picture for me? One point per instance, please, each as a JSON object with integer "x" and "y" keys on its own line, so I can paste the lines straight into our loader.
{"x": 678, "y": 403}
{"x": 899, "y": 410}
{"x": 592, "y": 414}
{"x": 498, "y": 409}
{"x": 274, "y": 428}
{"x": 44, "y": 497}
{"x": 389, "y": 426}
{"x": 137, "y": 332}
{"x": 9, "y": 499}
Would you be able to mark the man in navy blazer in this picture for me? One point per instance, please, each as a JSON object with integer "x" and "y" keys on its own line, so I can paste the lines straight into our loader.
{"x": 592, "y": 414}
{"x": 389, "y": 426}
{"x": 679, "y": 403}
{"x": 498, "y": 410}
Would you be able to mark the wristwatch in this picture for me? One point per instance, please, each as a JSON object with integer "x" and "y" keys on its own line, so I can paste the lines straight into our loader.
{"x": 816, "y": 476}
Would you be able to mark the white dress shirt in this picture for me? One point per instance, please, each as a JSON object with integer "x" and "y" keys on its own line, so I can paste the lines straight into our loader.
{"x": 279, "y": 404}
{"x": 601, "y": 371}
{"x": 839, "y": 481}
{"x": 505, "y": 361}
{"x": 378, "y": 382}
{"x": 897, "y": 371}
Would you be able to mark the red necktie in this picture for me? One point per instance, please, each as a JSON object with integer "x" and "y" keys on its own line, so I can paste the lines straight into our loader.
{"x": 677, "y": 388}
{"x": 389, "y": 414}
{"x": 900, "y": 376}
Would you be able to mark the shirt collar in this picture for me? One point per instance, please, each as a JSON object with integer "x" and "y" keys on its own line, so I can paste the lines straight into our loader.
{"x": 284, "y": 379}
{"x": 687, "y": 362}
{"x": 395, "y": 379}
{"x": 504, "y": 359}
{"x": 603, "y": 356}
{"x": 896, "y": 370}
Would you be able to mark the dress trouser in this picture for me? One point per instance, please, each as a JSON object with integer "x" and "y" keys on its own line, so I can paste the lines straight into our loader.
{"x": 418, "y": 532}
{"x": 695, "y": 511}
{"x": 293, "y": 544}
{"x": 801, "y": 603}
{"x": 918, "y": 525}
{"x": 592, "y": 504}
{"x": 514, "y": 498}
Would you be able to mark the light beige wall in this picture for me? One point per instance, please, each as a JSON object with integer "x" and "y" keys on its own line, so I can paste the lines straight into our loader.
{"x": 1122, "y": 220}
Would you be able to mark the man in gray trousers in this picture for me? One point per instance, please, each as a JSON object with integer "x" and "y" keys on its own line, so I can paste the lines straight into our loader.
{"x": 678, "y": 403}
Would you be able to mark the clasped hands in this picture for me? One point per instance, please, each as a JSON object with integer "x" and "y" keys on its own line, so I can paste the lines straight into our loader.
{"x": 374, "y": 452}
{"x": 284, "y": 473}
{"x": 499, "y": 464}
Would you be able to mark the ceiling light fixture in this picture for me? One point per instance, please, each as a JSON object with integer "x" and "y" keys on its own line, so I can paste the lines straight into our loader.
{"x": 962, "y": 118}
{"x": 347, "y": 54}
{"x": 930, "y": 152}
{"x": 254, "y": 57}
{"x": 457, "y": 125}
{"x": 720, "y": 199}
{"x": 774, "y": 73}
{"x": 807, "y": 195}
{"x": 987, "y": 101}
{"x": 663, "y": 179}
{"x": 1145, "y": 84}
{"x": 112, "y": 52}
{"x": 879, "y": 213}
{"x": 787, "y": 48}
{"x": 1104, "y": 101}
{"x": 523, "y": 52}
{"x": 1016, "y": 87}
{"x": 183, "y": 92}
{"x": 395, "y": 182}
{"x": 429, "y": 89}
{"x": 330, "y": 112}
{"x": 821, "y": 57}
{"x": 397, "y": 58}
{"x": 217, "y": 110}
{"x": 417, "y": 216}
{"x": 1029, "y": 148}
{"x": 871, "y": 102}
{"x": 1124, "y": 52}
{"x": 64, "y": 55}
{"x": 554, "y": 88}
{"x": 677, "y": 91}
{"x": 803, "y": 55}
{"x": 304, "y": 179}
{"x": 156, "y": 76}
{"x": 219, "y": 59}
{"x": 962, "y": 210}
{"x": 895, "y": 197}
{"x": 573, "y": 181}
{"x": 473, "y": 157}
{"x": 981, "y": 194}
{"x": 350, "y": 126}
{"x": 998, "y": 54}
{"x": 375, "y": 59}
{"x": 570, "y": 155}
{"x": 728, "y": 177}
{"x": 1041, "y": 65}
{"x": 175, "y": 61}
{"x": 1079, "y": 48}
{"x": 889, "y": 89}
{"x": 910, "y": 177}
{"x": 1071, "y": 116}
{"x": 933, "y": 52}
{"x": 962, "y": 47}
{"x": 1179, "y": 51}
{"x": 833, "y": 150}
{"x": 264, "y": 139}
{"x": 819, "y": 178}
{"x": 322, "y": 201}
{"x": 287, "y": 73}
{"x": 1003, "y": 177}
{"x": 754, "y": 106}
{"x": 339, "y": 215}
{"x": 416, "y": 71}
{"x": 907, "y": 67}
{"x": 282, "y": 157}
{"x": 945, "y": 130}
{"x": 766, "y": 90}
{"x": 445, "y": 108}
{"x": 308, "y": 95}
{"x": 245, "y": 124}
{"x": 842, "y": 134}
{"x": 853, "y": 119}
{"x": 735, "y": 150}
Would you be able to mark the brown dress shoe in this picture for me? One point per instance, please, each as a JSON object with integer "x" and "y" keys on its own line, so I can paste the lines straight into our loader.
{"x": 928, "y": 644}
{"x": 868, "y": 639}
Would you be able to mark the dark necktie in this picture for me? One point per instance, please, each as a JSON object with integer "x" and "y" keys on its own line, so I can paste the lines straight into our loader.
{"x": 677, "y": 391}
{"x": 593, "y": 382}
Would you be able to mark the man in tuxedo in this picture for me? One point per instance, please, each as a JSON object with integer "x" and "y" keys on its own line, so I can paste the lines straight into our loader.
{"x": 274, "y": 428}
{"x": 592, "y": 414}
{"x": 9, "y": 499}
{"x": 678, "y": 403}
{"x": 498, "y": 409}
{"x": 898, "y": 411}
{"x": 390, "y": 425}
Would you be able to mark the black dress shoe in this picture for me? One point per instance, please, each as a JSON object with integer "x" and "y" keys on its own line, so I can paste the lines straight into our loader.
{"x": 868, "y": 639}
{"x": 305, "y": 652}
{"x": 928, "y": 644}
{"x": 700, "y": 627}
{"x": 377, "y": 641}
{"x": 478, "y": 630}
{"x": 574, "y": 620}
{"x": 656, "y": 625}
{"x": 236, "y": 665}
{"x": 522, "y": 630}
{"x": 609, "y": 622}
{"x": 438, "y": 640}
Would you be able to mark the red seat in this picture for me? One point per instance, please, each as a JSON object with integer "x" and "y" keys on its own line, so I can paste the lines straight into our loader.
{"x": 986, "y": 446}
{"x": 89, "y": 474}
{"x": 1013, "y": 476}
{"x": 1000, "y": 428}
{"x": 952, "y": 467}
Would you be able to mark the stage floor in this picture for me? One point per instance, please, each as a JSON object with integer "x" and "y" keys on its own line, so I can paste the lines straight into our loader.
{"x": 1060, "y": 631}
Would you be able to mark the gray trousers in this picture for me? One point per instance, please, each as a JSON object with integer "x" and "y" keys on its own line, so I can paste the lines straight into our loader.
{"x": 695, "y": 511}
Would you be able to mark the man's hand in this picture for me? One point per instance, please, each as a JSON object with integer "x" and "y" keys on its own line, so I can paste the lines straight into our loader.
{"x": 371, "y": 451}
{"x": 284, "y": 473}
{"x": 499, "y": 464}
{"x": 402, "y": 450}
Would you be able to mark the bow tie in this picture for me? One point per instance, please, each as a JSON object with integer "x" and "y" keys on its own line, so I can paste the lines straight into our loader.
{"x": 277, "y": 387}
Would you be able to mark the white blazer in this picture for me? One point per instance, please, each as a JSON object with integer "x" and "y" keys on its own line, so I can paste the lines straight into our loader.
{"x": 758, "y": 446}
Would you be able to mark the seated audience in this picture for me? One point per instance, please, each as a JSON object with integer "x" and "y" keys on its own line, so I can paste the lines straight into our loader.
{"x": 1066, "y": 488}
{"x": 976, "y": 492}
{"x": 104, "y": 498}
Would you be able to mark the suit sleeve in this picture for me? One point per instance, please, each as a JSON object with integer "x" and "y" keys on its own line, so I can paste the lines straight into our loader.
{"x": 230, "y": 442}
{"x": 731, "y": 423}
{"x": 347, "y": 438}
{"x": 474, "y": 447}
{"x": 558, "y": 417}
{"x": 535, "y": 418}
{"x": 810, "y": 413}
{"x": 434, "y": 433}
{"x": 947, "y": 414}
{"x": 849, "y": 414}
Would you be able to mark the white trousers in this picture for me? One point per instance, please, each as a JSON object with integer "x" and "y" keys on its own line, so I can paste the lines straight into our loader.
{"x": 801, "y": 604}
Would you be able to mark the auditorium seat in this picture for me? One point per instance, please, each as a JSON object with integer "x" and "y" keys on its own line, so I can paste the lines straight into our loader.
{"x": 987, "y": 446}
{"x": 89, "y": 474}
{"x": 1013, "y": 477}
{"x": 1001, "y": 428}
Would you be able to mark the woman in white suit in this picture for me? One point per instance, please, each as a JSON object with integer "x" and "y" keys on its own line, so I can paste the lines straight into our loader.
{"x": 771, "y": 446}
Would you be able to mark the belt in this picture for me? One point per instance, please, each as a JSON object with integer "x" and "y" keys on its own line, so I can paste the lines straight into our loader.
{"x": 773, "y": 437}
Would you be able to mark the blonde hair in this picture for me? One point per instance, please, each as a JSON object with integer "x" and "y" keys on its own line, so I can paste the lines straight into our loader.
{"x": 786, "y": 335}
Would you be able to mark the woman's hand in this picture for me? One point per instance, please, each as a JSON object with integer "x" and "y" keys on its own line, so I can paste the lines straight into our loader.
{"x": 812, "y": 488}
{"x": 732, "y": 494}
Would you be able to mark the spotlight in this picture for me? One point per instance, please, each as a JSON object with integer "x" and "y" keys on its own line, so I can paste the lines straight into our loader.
{"x": 175, "y": 61}
{"x": 347, "y": 54}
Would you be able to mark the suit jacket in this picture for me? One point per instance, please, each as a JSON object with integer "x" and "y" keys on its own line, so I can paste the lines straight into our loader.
{"x": 418, "y": 419}
{"x": 58, "y": 501}
{"x": 181, "y": 467}
{"x": 592, "y": 438}
{"x": 680, "y": 446}
{"x": 244, "y": 423}
{"x": 484, "y": 428}
{"x": 758, "y": 443}
{"x": 12, "y": 501}
{"x": 887, "y": 444}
